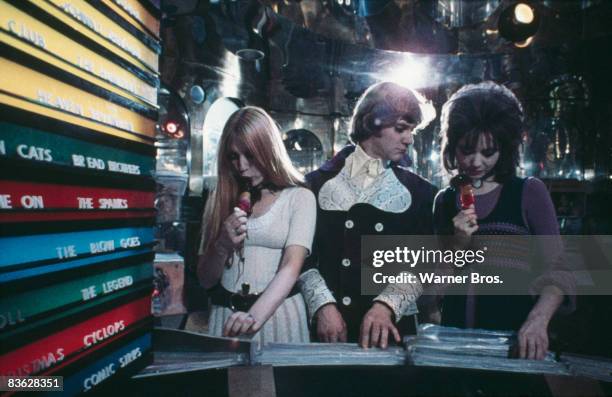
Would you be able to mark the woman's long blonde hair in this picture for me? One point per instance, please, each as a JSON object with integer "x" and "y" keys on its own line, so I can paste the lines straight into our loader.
{"x": 253, "y": 131}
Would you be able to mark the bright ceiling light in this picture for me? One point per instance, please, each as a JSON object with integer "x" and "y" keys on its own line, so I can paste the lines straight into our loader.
{"x": 518, "y": 22}
{"x": 411, "y": 73}
{"x": 523, "y": 13}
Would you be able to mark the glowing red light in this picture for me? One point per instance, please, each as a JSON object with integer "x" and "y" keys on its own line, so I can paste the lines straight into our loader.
{"x": 171, "y": 127}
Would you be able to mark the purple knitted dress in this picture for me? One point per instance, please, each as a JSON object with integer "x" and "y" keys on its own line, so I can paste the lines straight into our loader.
{"x": 517, "y": 207}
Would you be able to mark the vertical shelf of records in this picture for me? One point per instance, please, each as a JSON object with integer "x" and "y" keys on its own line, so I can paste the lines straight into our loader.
{"x": 78, "y": 109}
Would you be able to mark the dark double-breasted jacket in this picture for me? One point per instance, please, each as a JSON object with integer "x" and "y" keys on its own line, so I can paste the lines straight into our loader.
{"x": 337, "y": 242}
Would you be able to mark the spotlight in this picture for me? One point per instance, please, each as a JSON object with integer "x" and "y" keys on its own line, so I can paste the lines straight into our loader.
{"x": 518, "y": 23}
{"x": 173, "y": 129}
{"x": 523, "y": 13}
{"x": 174, "y": 117}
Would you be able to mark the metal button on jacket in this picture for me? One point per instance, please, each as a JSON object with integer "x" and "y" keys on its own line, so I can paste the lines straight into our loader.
{"x": 346, "y": 262}
{"x": 346, "y": 300}
{"x": 349, "y": 224}
{"x": 379, "y": 227}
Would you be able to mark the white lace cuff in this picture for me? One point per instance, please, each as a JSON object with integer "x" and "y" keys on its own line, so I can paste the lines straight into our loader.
{"x": 315, "y": 291}
{"x": 401, "y": 298}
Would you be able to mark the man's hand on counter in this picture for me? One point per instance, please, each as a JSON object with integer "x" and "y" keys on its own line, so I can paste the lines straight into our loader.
{"x": 376, "y": 326}
{"x": 331, "y": 327}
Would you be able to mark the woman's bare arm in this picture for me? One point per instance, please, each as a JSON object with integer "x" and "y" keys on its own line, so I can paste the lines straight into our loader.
{"x": 533, "y": 335}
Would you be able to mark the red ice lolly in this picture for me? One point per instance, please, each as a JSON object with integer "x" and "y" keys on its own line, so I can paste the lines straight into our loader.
{"x": 467, "y": 196}
{"x": 463, "y": 184}
{"x": 244, "y": 202}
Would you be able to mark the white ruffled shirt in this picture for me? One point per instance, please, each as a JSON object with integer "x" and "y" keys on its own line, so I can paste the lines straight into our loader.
{"x": 364, "y": 179}
{"x": 363, "y": 168}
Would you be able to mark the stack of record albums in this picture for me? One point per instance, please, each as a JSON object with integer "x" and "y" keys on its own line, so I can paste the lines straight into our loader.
{"x": 78, "y": 109}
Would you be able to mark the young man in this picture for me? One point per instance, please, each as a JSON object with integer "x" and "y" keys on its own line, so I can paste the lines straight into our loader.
{"x": 365, "y": 190}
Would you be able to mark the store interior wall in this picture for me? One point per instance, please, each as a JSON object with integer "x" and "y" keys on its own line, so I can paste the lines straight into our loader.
{"x": 307, "y": 62}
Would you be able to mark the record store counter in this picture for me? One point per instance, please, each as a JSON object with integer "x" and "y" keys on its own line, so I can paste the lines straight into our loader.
{"x": 438, "y": 361}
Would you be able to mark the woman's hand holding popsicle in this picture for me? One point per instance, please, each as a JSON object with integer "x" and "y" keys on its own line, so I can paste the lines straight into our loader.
{"x": 466, "y": 222}
{"x": 234, "y": 229}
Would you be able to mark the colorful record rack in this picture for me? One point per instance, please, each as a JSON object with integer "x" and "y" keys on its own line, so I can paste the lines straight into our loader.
{"x": 78, "y": 112}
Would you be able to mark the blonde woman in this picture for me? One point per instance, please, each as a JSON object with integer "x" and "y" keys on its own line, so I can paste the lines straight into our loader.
{"x": 252, "y": 261}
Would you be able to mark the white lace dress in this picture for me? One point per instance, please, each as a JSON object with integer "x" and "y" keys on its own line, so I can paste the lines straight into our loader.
{"x": 289, "y": 221}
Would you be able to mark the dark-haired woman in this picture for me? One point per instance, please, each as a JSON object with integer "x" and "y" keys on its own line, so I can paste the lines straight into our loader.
{"x": 482, "y": 127}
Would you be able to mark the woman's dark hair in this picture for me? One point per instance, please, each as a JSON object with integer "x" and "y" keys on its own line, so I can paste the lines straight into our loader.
{"x": 383, "y": 104}
{"x": 483, "y": 108}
